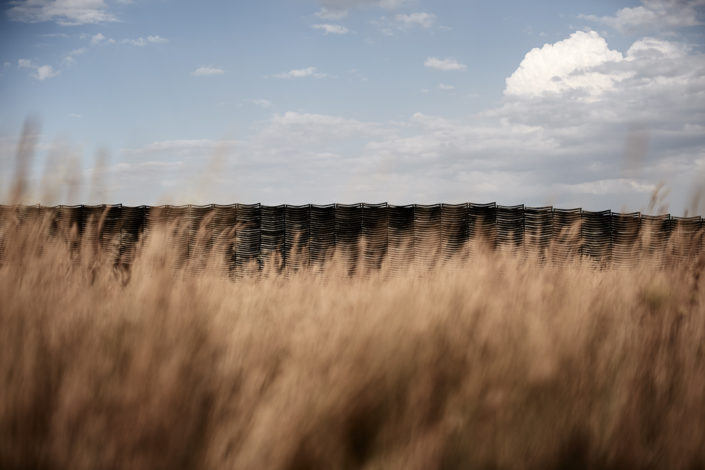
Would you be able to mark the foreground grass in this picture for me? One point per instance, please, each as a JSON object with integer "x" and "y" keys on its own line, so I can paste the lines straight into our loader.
{"x": 497, "y": 361}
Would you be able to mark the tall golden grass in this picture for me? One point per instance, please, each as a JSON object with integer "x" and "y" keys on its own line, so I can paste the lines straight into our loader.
{"x": 492, "y": 360}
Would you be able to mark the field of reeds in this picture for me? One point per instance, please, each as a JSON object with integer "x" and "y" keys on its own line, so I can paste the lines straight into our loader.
{"x": 491, "y": 360}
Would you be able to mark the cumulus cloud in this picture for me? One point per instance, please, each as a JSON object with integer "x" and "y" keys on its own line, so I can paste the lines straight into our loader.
{"x": 43, "y": 72}
{"x": 300, "y": 73}
{"x": 654, "y": 14}
{"x": 97, "y": 38}
{"x": 40, "y": 72}
{"x": 331, "y": 28}
{"x": 565, "y": 65}
{"x": 63, "y": 12}
{"x": 207, "y": 71}
{"x": 649, "y": 48}
{"x": 585, "y": 68}
{"x": 447, "y": 64}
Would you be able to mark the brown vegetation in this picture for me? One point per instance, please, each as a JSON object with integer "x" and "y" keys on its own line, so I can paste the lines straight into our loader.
{"x": 491, "y": 360}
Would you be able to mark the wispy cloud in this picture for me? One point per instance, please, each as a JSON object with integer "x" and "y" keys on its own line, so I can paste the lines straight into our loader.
{"x": 418, "y": 19}
{"x": 448, "y": 64}
{"x": 338, "y": 9}
{"x": 653, "y": 14}
{"x": 445, "y": 87}
{"x": 261, "y": 102}
{"x": 300, "y": 73}
{"x": 63, "y": 12}
{"x": 69, "y": 59}
{"x": 331, "y": 14}
{"x": 141, "y": 42}
{"x": 97, "y": 38}
{"x": 331, "y": 28}
{"x": 207, "y": 71}
{"x": 40, "y": 72}
{"x": 405, "y": 22}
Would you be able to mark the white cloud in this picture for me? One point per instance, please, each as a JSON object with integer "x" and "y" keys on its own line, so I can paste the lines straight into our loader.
{"x": 157, "y": 40}
{"x": 63, "y": 12}
{"x": 40, "y": 72}
{"x": 97, "y": 38}
{"x": 45, "y": 71}
{"x": 331, "y": 28}
{"x": 179, "y": 147}
{"x": 300, "y": 73}
{"x": 565, "y": 65}
{"x": 653, "y": 14}
{"x": 141, "y": 42}
{"x": 418, "y": 19}
{"x": 329, "y": 14}
{"x": 339, "y": 9}
{"x": 651, "y": 47}
{"x": 405, "y": 22}
{"x": 69, "y": 59}
{"x": 609, "y": 186}
{"x": 447, "y": 64}
{"x": 445, "y": 87}
{"x": 261, "y": 102}
{"x": 206, "y": 71}
{"x": 161, "y": 165}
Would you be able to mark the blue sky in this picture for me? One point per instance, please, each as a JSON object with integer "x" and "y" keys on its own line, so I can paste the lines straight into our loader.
{"x": 594, "y": 104}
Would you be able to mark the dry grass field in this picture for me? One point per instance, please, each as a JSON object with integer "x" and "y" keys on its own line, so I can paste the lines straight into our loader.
{"x": 490, "y": 361}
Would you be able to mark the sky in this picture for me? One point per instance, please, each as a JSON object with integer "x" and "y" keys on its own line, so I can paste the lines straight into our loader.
{"x": 594, "y": 104}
